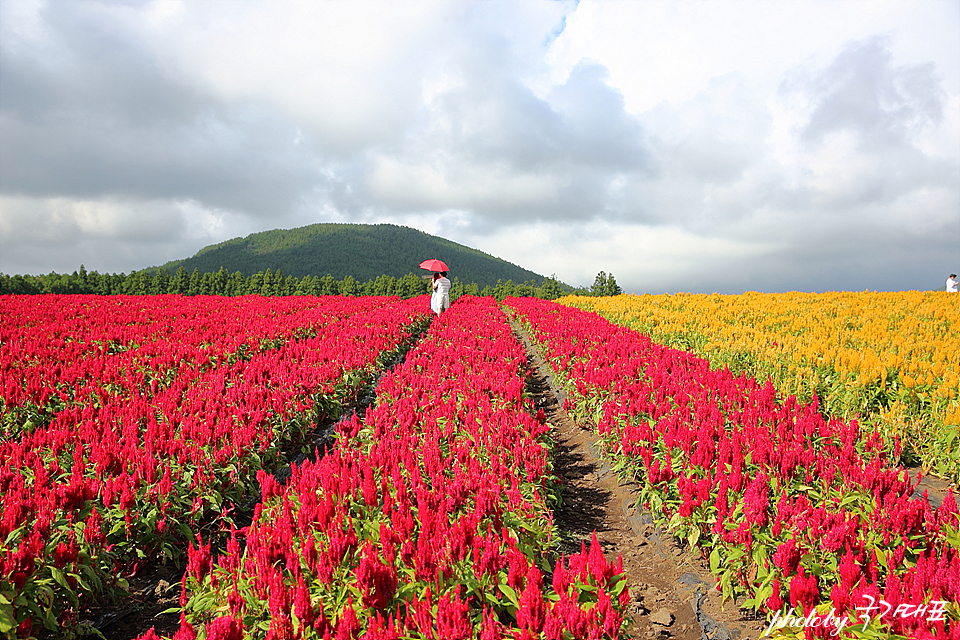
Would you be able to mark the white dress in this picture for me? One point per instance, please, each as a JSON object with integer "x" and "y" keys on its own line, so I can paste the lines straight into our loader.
{"x": 440, "y": 300}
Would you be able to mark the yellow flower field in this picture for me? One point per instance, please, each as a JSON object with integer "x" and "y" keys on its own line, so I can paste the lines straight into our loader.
{"x": 887, "y": 358}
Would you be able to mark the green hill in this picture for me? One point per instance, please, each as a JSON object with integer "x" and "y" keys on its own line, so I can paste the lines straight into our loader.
{"x": 358, "y": 250}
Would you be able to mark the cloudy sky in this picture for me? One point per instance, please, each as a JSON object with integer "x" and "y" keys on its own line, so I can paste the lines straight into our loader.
{"x": 702, "y": 146}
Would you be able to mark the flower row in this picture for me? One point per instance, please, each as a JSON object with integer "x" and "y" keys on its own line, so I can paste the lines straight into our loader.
{"x": 860, "y": 353}
{"x": 61, "y": 350}
{"x": 430, "y": 519}
{"x": 140, "y": 465}
{"x": 792, "y": 509}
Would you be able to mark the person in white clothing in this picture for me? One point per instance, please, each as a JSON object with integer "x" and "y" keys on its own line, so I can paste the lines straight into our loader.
{"x": 440, "y": 299}
{"x": 952, "y": 283}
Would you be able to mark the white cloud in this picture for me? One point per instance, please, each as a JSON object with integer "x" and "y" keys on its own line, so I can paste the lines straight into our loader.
{"x": 642, "y": 258}
{"x": 668, "y": 51}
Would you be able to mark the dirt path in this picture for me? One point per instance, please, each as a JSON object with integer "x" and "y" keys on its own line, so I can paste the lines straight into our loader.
{"x": 153, "y": 591}
{"x": 671, "y": 586}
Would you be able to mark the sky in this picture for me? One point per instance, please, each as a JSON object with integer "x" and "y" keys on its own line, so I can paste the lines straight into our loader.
{"x": 680, "y": 145}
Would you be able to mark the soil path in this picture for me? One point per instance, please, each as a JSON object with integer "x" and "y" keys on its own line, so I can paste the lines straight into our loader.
{"x": 671, "y": 586}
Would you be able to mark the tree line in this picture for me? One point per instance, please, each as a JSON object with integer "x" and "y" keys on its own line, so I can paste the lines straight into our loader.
{"x": 275, "y": 283}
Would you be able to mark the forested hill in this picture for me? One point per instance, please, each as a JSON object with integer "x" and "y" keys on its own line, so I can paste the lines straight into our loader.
{"x": 358, "y": 250}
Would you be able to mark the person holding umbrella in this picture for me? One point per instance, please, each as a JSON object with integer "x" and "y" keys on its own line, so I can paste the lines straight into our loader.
{"x": 440, "y": 298}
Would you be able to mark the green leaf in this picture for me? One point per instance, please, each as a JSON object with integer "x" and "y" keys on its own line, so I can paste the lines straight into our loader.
{"x": 850, "y": 498}
{"x": 50, "y": 621}
{"x": 60, "y": 578}
{"x": 80, "y": 581}
{"x": 765, "y": 592}
{"x": 508, "y": 591}
{"x": 735, "y": 554}
{"x": 7, "y": 623}
{"x": 13, "y": 535}
{"x": 619, "y": 586}
{"x": 725, "y": 587}
{"x": 715, "y": 560}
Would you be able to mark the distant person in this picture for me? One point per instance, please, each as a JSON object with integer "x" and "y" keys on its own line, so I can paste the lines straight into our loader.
{"x": 952, "y": 283}
{"x": 440, "y": 300}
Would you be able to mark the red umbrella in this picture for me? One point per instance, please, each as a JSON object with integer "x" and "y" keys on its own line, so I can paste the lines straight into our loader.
{"x": 434, "y": 265}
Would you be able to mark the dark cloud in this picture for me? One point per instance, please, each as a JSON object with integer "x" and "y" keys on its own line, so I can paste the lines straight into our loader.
{"x": 871, "y": 117}
{"x": 102, "y": 119}
{"x": 600, "y": 133}
{"x": 245, "y": 166}
{"x": 494, "y": 118}
{"x": 863, "y": 92}
{"x": 552, "y": 157}
{"x": 87, "y": 65}
{"x": 825, "y": 261}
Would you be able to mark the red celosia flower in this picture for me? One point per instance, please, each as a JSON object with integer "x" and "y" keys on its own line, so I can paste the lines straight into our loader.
{"x": 490, "y": 627}
{"x": 576, "y": 620}
{"x": 377, "y": 581}
{"x": 787, "y": 557}
{"x": 66, "y": 552}
{"x": 531, "y": 610}
{"x": 775, "y": 601}
{"x": 606, "y": 615}
{"x": 420, "y": 613}
{"x": 553, "y": 626}
{"x": 281, "y": 625}
{"x": 370, "y": 496}
{"x": 804, "y": 590}
{"x": 225, "y": 628}
{"x": 302, "y": 604}
{"x": 947, "y": 511}
{"x": 517, "y": 571}
{"x": 453, "y": 617}
{"x": 24, "y": 628}
{"x": 236, "y": 601}
{"x": 600, "y": 569}
{"x": 561, "y": 577}
{"x": 756, "y": 501}
{"x": 199, "y": 560}
{"x": 348, "y": 627}
{"x": 380, "y": 629}
{"x": 186, "y": 630}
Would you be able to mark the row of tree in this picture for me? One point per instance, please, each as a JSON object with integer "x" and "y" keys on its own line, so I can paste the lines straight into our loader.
{"x": 275, "y": 283}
